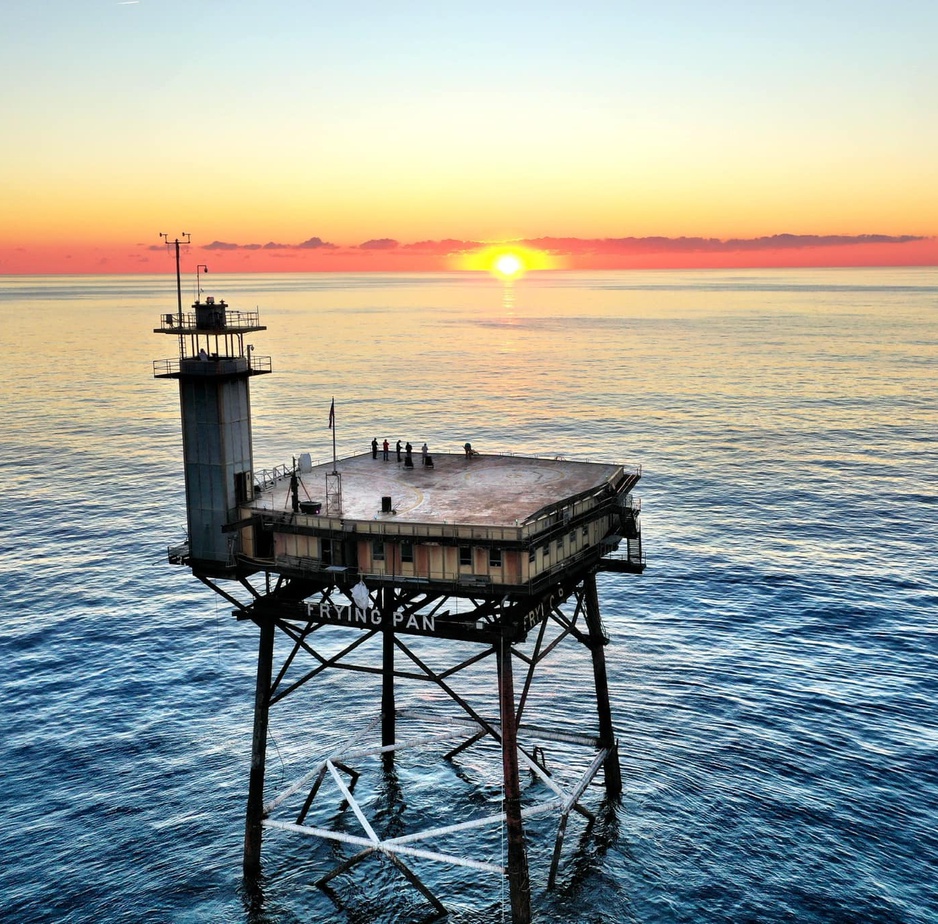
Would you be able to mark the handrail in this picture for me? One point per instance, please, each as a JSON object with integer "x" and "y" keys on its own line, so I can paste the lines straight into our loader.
{"x": 166, "y": 368}
{"x": 232, "y": 320}
{"x": 258, "y": 363}
{"x": 266, "y": 478}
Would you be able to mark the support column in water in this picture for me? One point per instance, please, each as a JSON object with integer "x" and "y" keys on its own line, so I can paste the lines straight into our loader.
{"x": 255, "y": 808}
{"x": 388, "y": 719}
{"x": 518, "y": 882}
{"x": 607, "y": 736}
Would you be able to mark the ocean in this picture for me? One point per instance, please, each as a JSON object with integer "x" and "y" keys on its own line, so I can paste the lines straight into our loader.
{"x": 773, "y": 673}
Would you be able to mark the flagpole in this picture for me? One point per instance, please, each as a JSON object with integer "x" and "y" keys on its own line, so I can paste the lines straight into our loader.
{"x": 332, "y": 421}
{"x": 333, "y": 479}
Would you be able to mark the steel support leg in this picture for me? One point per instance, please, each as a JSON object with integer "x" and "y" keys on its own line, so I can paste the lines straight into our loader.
{"x": 388, "y": 721}
{"x": 607, "y": 736}
{"x": 255, "y": 807}
{"x": 518, "y": 882}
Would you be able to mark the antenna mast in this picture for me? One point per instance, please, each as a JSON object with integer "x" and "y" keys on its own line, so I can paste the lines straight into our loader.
{"x": 177, "y": 242}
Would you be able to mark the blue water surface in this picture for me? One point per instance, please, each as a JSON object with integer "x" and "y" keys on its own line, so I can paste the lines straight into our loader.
{"x": 773, "y": 673}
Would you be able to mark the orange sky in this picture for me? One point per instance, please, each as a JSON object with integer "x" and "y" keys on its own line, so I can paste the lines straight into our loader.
{"x": 267, "y": 128}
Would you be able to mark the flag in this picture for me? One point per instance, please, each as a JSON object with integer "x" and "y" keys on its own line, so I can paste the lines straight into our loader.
{"x": 332, "y": 415}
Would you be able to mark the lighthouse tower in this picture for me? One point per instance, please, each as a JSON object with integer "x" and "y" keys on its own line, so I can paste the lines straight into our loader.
{"x": 214, "y": 369}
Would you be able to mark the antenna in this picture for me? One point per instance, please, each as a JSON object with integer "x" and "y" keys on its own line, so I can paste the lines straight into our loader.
{"x": 198, "y": 288}
{"x": 177, "y": 242}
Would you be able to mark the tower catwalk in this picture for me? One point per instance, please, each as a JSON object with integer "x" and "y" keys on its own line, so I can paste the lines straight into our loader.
{"x": 470, "y": 574}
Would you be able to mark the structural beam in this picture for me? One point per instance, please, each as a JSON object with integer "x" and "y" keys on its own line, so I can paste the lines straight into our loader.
{"x": 518, "y": 882}
{"x": 387, "y": 673}
{"x": 597, "y": 642}
{"x": 255, "y": 808}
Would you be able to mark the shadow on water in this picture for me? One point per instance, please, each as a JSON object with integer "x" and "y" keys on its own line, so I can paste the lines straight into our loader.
{"x": 582, "y": 888}
{"x": 362, "y": 886}
{"x": 259, "y": 908}
{"x": 598, "y": 835}
{"x": 367, "y": 886}
{"x": 360, "y": 909}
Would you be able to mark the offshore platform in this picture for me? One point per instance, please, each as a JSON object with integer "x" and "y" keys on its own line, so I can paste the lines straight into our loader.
{"x": 350, "y": 564}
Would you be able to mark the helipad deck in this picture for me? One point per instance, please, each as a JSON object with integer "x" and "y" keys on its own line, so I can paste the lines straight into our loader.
{"x": 485, "y": 490}
{"x": 509, "y": 522}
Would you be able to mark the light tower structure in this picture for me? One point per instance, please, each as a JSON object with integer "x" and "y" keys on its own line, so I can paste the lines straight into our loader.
{"x": 213, "y": 369}
{"x": 497, "y": 554}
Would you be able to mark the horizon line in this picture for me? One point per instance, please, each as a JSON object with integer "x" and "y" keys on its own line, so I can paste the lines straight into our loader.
{"x": 548, "y": 254}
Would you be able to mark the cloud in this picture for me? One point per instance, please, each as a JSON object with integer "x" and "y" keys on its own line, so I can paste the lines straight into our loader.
{"x": 447, "y": 246}
{"x": 313, "y": 243}
{"x": 316, "y": 243}
{"x": 609, "y": 246}
{"x": 798, "y": 241}
{"x": 646, "y": 245}
{"x": 380, "y": 243}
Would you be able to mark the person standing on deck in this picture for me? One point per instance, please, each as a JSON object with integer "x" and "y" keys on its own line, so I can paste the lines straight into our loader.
{"x": 384, "y": 448}
{"x": 374, "y": 448}
{"x": 424, "y": 450}
{"x": 399, "y": 444}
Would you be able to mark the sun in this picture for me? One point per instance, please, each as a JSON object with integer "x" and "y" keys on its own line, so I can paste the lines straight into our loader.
{"x": 508, "y": 265}
{"x": 508, "y": 260}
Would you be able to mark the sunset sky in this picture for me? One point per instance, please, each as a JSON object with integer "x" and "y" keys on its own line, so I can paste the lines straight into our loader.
{"x": 396, "y": 135}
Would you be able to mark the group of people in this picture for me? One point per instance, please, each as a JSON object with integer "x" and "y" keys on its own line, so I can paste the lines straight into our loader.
{"x": 408, "y": 459}
{"x": 407, "y": 449}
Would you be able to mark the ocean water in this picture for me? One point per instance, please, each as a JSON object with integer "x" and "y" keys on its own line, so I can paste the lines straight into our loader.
{"x": 773, "y": 673}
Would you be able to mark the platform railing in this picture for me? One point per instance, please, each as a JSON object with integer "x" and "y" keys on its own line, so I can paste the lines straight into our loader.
{"x": 233, "y": 320}
{"x": 414, "y": 530}
{"x": 267, "y": 478}
{"x": 259, "y": 363}
{"x": 168, "y": 368}
{"x": 383, "y": 528}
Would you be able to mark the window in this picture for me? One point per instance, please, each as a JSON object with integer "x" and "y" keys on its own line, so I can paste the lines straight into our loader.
{"x": 377, "y": 550}
{"x": 465, "y": 557}
{"x": 407, "y": 551}
{"x": 532, "y": 556}
{"x": 495, "y": 558}
{"x": 560, "y": 545}
{"x": 586, "y": 534}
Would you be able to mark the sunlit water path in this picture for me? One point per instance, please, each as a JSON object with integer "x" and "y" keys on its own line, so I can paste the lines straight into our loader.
{"x": 774, "y": 672}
